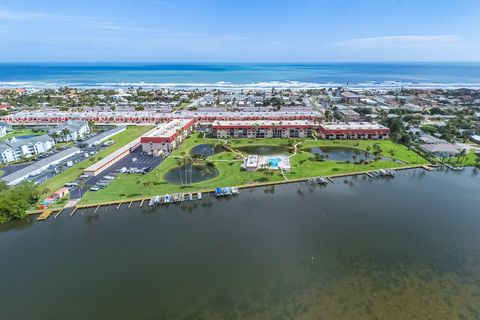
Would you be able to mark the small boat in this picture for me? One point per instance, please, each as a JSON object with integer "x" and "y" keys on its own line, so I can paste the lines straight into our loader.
{"x": 152, "y": 202}
{"x": 156, "y": 200}
{"x": 168, "y": 199}
{"x": 227, "y": 191}
{"x": 219, "y": 192}
{"x": 235, "y": 190}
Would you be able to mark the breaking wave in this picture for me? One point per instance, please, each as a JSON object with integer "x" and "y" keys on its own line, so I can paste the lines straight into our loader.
{"x": 294, "y": 85}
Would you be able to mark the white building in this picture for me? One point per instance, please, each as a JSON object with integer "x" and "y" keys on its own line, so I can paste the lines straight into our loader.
{"x": 6, "y": 154}
{"x": 166, "y": 137}
{"x": 16, "y": 148}
{"x": 5, "y": 128}
{"x": 71, "y": 131}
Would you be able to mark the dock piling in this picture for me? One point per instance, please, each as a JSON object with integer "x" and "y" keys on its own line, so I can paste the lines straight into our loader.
{"x": 58, "y": 213}
{"x": 73, "y": 211}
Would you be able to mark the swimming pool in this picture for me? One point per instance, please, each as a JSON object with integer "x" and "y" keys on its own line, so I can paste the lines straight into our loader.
{"x": 274, "y": 162}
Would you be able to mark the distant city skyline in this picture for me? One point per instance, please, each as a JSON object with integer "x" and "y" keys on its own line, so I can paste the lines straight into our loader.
{"x": 248, "y": 31}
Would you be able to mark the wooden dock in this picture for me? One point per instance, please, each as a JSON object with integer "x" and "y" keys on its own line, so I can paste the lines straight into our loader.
{"x": 45, "y": 214}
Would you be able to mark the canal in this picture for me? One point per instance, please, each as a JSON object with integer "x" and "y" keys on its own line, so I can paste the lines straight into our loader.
{"x": 403, "y": 248}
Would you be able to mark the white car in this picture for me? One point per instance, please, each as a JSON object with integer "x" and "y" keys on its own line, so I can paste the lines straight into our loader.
{"x": 94, "y": 188}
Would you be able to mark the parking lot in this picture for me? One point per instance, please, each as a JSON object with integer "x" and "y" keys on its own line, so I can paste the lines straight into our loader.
{"x": 142, "y": 160}
{"x": 64, "y": 165}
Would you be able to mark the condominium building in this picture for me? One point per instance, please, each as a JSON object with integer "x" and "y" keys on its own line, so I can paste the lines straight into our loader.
{"x": 166, "y": 137}
{"x": 263, "y": 129}
{"x": 354, "y": 130}
{"x": 70, "y": 131}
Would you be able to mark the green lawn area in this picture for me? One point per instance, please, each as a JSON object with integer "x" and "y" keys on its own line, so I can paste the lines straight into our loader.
{"x": 21, "y": 132}
{"x": 72, "y": 173}
{"x": 230, "y": 174}
{"x": 468, "y": 160}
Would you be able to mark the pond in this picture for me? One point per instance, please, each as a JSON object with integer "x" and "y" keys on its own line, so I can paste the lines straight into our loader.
{"x": 25, "y": 137}
{"x": 206, "y": 149}
{"x": 193, "y": 174}
{"x": 263, "y": 150}
{"x": 343, "y": 154}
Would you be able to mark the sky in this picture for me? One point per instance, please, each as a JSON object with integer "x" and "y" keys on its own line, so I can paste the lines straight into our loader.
{"x": 240, "y": 31}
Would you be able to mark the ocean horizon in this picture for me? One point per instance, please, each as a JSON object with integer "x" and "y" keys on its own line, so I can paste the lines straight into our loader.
{"x": 149, "y": 75}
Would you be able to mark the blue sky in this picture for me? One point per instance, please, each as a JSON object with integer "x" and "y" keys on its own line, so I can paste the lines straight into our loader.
{"x": 240, "y": 31}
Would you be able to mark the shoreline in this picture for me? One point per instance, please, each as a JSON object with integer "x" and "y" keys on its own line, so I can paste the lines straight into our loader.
{"x": 427, "y": 167}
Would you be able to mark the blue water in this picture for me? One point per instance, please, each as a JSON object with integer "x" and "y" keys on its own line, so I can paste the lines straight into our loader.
{"x": 274, "y": 162}
{"x": 149, "y": 75}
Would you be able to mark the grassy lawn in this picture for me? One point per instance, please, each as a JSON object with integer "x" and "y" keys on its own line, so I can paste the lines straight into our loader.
{"x": 21, "y": 132}
{"x": 468, "y": 160}
{"x": 230, "y": 173}
{"x": 72, "y": 173}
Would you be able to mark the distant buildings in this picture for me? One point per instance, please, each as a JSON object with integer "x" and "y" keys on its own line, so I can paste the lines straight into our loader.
{"x": 354, "y": 130}
{"x": 5, "y": 128}
{"x": 350, "y": 97}
{"x": 70, "y": 131}
{"x": 441, "y": 149}
{"x": 348, "y": 115}
{"x": 17, "y": 148}
{"x": 263, "y": 129}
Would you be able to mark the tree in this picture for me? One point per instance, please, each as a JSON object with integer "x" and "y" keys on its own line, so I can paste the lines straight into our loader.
{"x": 179, "y": 164}
{"x": 15, "y": 201}
{"x": 65, "y": 133}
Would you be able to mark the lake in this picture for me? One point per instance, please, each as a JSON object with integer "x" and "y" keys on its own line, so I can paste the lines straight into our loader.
{"x": 206, "y": 149}
{"x": 265, "y": 150}
{"x": 191, "y": 174}
{"x": 403, "y": 248}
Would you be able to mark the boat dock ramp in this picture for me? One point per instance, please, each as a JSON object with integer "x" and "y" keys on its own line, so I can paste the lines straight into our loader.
{"x": 175, "y": 198}
{"x": 319, "y": 180}
{"x": 225, "y": 192}
{"x": 381, "y": 173}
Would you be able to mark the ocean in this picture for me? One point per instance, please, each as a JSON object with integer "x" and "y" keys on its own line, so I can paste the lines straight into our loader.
{"x": 240, "y": 76}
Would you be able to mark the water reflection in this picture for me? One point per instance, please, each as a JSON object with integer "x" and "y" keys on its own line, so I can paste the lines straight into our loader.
{"x": 206, "y": 149}
{"x": 191, "y": 174}
{"x": 405, "y": 248}
{"x": 264, "y": 150}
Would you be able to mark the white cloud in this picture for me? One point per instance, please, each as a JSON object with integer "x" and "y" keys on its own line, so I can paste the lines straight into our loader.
{"x": 398, "y": 41}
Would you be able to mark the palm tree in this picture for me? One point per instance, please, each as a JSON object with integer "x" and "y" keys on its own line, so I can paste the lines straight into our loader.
{"x": 348, "y": 163}
{"x": 65, "y": 133}
{"x": 179, "y": 164}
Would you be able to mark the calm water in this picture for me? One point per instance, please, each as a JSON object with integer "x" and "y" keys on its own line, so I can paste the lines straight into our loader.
{"x": 195, "y": 173}
{"x": 150, "y": 75}
{"x": 206, "y": 149}
{"x": 263, "y": 150}
{"x": 403, "y": 248}
{"x": 341, "y": 153}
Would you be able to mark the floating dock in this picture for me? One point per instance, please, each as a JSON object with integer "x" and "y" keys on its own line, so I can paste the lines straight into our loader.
{"x": 45, "y": 214}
